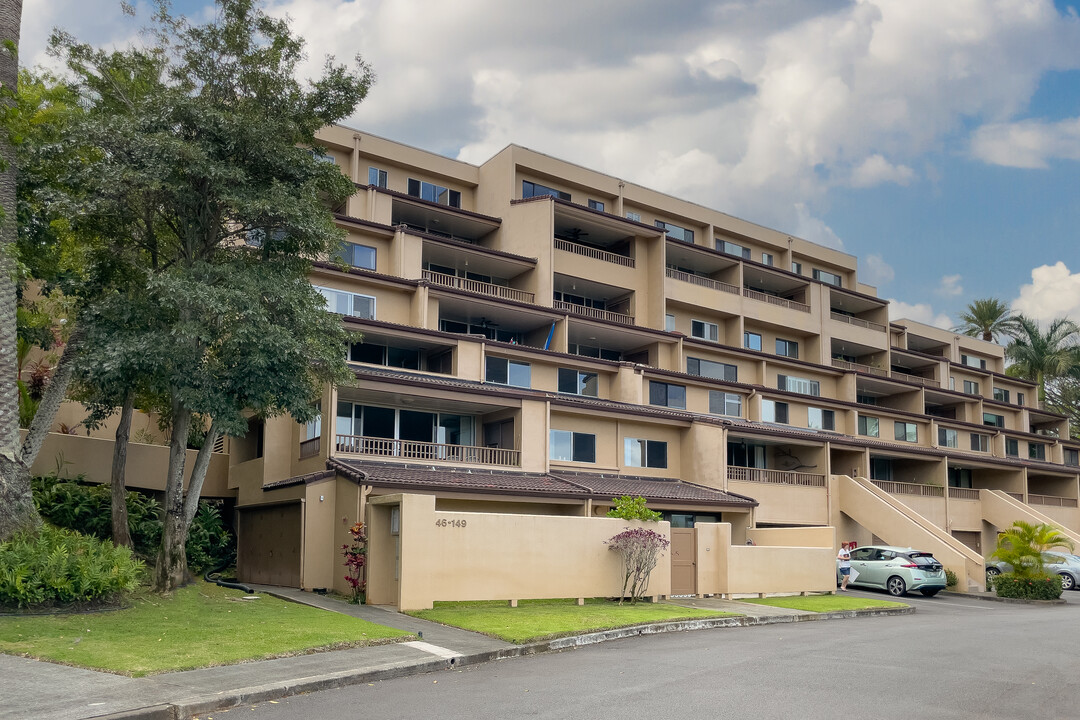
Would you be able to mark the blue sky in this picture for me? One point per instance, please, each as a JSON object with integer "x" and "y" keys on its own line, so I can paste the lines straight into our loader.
{"x": 938, "y": 141}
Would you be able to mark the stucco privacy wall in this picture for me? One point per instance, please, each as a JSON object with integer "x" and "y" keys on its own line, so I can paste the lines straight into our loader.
{"x": 725, "y": 569}
{"x": 818, "y": 537}
{"x": 482, "y": 556}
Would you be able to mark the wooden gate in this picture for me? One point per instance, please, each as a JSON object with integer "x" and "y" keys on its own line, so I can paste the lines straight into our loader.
{"x": 683, "y": 565}
{"x": 268, "y": 544}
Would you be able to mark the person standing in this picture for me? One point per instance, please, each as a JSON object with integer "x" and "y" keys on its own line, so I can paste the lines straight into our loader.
{"x": 844, "y": 559}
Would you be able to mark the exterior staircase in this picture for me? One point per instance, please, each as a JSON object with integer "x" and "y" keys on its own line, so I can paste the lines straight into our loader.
{"x": 1001, "y": 509}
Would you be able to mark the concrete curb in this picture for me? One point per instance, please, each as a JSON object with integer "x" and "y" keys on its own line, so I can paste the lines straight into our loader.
{"x": 1013, "y": 601}
{"x": 203, "y": 704}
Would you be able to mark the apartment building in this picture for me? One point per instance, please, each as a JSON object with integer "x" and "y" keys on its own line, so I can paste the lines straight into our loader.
{"x": 536, "y": 337}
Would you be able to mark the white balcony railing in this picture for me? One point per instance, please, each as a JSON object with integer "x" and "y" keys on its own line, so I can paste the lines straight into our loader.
{"x": 594, "y": 312}
{"x": 777, "y": 477}
{"x": 414, "y": 450}
{"x": 702, "y": 281}
{"x": 483, "y": 288}
{"x": 594, "y": 253}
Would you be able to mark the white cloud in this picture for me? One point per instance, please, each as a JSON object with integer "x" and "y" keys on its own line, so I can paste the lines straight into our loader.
{"x": 1054, "y": 292}
{"x": 919, "y": 312}
{"x": 815, "y": 230}
{"x": 950, "y": 286}
{"x": 876, "y": 170}
{"x": 876, "y": 271}
{"x": 1027, "y": 144}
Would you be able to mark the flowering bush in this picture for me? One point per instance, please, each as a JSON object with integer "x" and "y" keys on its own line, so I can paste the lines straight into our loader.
{"x": 355, "y": 560}
{"x": 640, "y": 549}
{"x": 1009, "y": 585}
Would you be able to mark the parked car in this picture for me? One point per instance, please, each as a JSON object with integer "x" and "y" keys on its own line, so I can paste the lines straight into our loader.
{"x": 1064, "y": 564}
{"x": 896, "y": 570}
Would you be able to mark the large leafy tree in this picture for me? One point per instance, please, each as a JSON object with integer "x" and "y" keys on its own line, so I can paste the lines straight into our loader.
{"x": 1043, "y": 355}
{"x": 197, "y": 145}
{"x": 1023, "y": 544}
{"x": 989, "y": 319}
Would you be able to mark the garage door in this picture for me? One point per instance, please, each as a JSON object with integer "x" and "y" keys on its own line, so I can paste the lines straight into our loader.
{"x": 268, "y": 545}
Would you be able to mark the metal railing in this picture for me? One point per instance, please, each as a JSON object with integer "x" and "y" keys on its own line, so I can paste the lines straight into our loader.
{"x": 773, "y": 300}
{"x": 777, "y": 477}
{"x": 963, "y": 493}
{"x": 703, "y": 281}
{"x": 310, "y": 448}
{"x": 1052, "y": 500}
{"x": 594, "y": 253}
{"x": 483, "y": 288}
{"x": 869, "y": 369}
{"x": 903, "y": 488}
{"x": 415, "y": 450}
{"x": 929, "y": 382}
{"x": 594, "y": 312}
{"x": 857, "y": 322}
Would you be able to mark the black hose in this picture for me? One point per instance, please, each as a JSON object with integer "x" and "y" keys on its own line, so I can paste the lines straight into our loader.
{"x": 209, "y": 577}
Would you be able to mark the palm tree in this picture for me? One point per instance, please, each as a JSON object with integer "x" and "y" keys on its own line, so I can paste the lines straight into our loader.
{"x": 1023, "y": 544}
{"x": 989, "y": 319}
{"x": 1041, "y": 356}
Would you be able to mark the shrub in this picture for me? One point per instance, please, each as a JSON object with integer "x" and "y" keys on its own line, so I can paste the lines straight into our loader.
{"x": 640, "y": 549}
{"x": 355, "y": 559}
{"x": 59, "y": 567}
{"x": 950, "y": 578}
{"x": 1047, "y": 587}
{"x": 209, "y": 544}
{"x": 631, "y": 508}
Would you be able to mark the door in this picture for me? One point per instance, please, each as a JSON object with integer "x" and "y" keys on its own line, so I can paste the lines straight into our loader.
{"x": 683, "y": 566}
{"x": 862, "y": 563}
{"x": 268, "y": 544}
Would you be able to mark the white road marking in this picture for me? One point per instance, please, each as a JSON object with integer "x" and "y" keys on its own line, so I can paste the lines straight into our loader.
{"x": 433, "y": 649}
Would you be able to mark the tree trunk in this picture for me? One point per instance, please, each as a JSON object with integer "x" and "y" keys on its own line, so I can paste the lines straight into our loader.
{"x": 120, "y": 533}
{"x": 170, "y": 572}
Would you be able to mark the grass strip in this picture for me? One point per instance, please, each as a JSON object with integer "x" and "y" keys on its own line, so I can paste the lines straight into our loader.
{"x": 545, "y": 619}
{"x": 824, "y": 603}
{"x": 201, "y": 625}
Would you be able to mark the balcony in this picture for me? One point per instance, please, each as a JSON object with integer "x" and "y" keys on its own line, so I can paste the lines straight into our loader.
{"x": 1051, "y": 500}
{"x": 482, "y": 288}
{"x": 310, "y": 448}
{"x": 963, "y": 493}
{"x": 594, "y": 253}
{"x": 702, "y": 281}
{"x": 774, "y": 300}
{"x": 594, "y": 312}
{"x": 776, "y": 477}
{"x": 857, "y": 322}
{"x": 426, "y": 451}
{"x": 859, "y": 367}
{"x": 908, "y": 377}
{"x": 903, "y": 488}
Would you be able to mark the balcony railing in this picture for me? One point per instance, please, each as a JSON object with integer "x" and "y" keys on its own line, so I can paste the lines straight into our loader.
{"x": 594, "y": 312}
{"x": 1019, "y": 497}
{"x": 859, "y": 367}
{"x": 857, "y": 322}
{"x": 414, "y": 450}
{"x": 310, "y": 448}
{"x": 903, "y": 488}
{"x": 776, "y": 477}
{"x": 1052, "y": 500}
{"x": 908, "y": 377}
{"x": 773, "y": 300}
{"x": 963, "y": 493}
{"x": 594, "y": 253}
{"x": 483, "y": 288}
{"x": 702, "y": 281}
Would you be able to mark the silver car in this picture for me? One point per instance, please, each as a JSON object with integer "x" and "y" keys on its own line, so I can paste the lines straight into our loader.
{"x": 896, "y": 569}
{"x": 1064, "y": 564}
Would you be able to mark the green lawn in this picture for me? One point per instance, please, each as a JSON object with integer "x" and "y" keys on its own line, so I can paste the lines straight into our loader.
{"x": 545, "y": 619}
{"x": 197, "y": 626}
{"x": 824, "y": 603}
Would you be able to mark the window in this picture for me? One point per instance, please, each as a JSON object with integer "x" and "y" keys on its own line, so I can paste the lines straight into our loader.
{"x": 1036, "y": 451}
{"x": 358, "y": 256}
{"x": 508, "y": 372}
{"x": 980, "y": 443}
{"x": 766, "y": 258}
{"x": 1012, "y": 447}
{"x": 573, "y": 446}
{"x": 952, "y": 383}
{"x": 710, "y": 369}
{"x": 387, "y": 423}
{"x": 947, "y": 438}
{"x": 376, "y": 177}
{"x": 972, "y": 361}
{"x": 796, "y": 267}
{"x": 596, "y": 205}
{"x": 818, "y": 419}
{"x": 880, "y": 468}
{"x": 676, "y": 232}
{"x": 1072, "y": 457}
{"x": 959, "y": 477}
{"x": 636, "y": 217}
{"x": 669, "y": 323}
{"x": 531, "y": 189}
{"x": 774, "y": 412}
{"x": 1019, "y": 398}
{"x": 971, "y": 387}
{"x": 731, "y": 248}
{"x": 705, "y": 330}
{"x": 798, "y": 384}
{"x": 434, "y": 193}
{"x": 667, "y": 395}
{"x": 346, "y": 303}
{"x": 993, "y": 420}
{"x": 389, "y": 356}
{"x": 576, "y": 382}
{"x": 787, "y": 348}
{"x": 866, "y": 399}
{"x": 322, "y": 156}
{"x": 725, "y": 403}
{"x": 313, "y": 427}
{"x": 905, "y": 431}
{"x": 751, "y": 341}
{"x": 868, "y": 426}
{"x": 828, "y": 277}
{"x": 644, "y": 453}
{"x": 1001, "y": 395}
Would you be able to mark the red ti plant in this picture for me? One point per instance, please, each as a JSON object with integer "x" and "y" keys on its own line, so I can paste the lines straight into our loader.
{"x": 355, "y": 560}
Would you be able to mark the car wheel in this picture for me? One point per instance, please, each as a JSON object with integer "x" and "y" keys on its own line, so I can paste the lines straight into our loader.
{"x": 896, "y": 586}
{"x": 929, "y": 592}
{"x": 1067, "y": 581}
{"x": 992, "y": 572}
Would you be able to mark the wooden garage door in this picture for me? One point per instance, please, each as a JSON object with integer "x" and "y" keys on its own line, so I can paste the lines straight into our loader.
{"x": 683, "y": 567}
{"x": 268, "y": 545}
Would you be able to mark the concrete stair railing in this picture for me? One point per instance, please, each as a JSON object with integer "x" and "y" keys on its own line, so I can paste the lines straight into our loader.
{"x": 1002, "y": 510}
{"x": 897, "y": 524}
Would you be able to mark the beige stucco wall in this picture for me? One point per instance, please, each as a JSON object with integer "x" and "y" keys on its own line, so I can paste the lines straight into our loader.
{"x": 786, "y": 503}
{"x": 724, "y": 568}
{"x": 819, "y": 537}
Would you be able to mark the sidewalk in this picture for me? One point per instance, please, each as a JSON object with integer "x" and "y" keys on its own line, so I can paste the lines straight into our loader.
{"x": 33, "y": 689}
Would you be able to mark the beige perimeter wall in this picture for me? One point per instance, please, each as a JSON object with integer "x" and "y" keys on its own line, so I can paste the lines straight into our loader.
{"x": 726, "y": 569}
